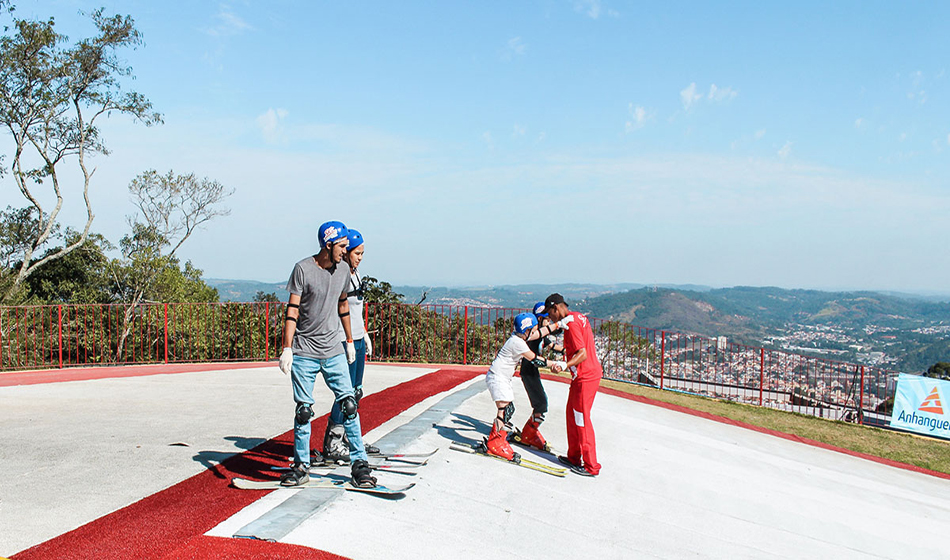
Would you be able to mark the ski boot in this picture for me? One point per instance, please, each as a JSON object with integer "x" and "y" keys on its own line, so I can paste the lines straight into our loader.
{"x": 298, "y": 474}
{"x": 531, "y": 437}
{"x": 335, "y": 447}
{"x": 362, "y": 475}
{"x": 497, "y": 445}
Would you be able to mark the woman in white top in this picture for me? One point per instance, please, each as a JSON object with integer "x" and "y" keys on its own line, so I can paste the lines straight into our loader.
{"x": 335, "y": 444}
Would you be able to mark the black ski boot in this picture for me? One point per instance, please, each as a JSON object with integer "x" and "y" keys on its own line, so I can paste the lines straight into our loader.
{"x": 335, "y": 447}
{"x": 298, "y": 475}
{"x": 362, "y": 475}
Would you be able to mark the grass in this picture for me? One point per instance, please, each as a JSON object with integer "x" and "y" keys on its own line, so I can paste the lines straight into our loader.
{"x": 927, "y": 453}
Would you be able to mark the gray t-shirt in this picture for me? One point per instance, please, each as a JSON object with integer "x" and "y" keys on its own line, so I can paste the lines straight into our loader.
{"x": 319, "y": 334}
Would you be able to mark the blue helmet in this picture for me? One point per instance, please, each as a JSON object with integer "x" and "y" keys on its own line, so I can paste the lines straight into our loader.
{"x": 539, "y": 310}
{"x": 356, "y": 239}
{"x": 331, "y": 232}
{"x": 524, "y": 322}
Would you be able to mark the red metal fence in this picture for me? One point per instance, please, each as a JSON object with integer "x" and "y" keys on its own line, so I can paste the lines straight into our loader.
{"x": 39, "y": 337}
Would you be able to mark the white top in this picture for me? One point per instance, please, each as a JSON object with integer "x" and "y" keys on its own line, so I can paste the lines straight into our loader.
{"x": 509, "y": 356}
{"x": 357, "y": 327}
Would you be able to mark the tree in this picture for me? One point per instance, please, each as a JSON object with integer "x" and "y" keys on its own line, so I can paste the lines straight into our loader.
{"x": 376, "y": 291}
{"x": 51, "y": 96}
{"x": 80, "y": 276}
{"x": 171, "y": 207}
{"x": 940, "y": 370}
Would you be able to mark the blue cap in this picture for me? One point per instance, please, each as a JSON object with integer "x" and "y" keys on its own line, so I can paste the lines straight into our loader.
{"x": 539, "y": 310}
{"x": 331, "y": 232}
{"x": 524, "y": 322}
{"x": 356, "y": 239}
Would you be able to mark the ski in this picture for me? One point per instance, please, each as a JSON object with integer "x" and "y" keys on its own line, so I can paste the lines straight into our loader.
{"x": 321, "y": 468}
{"x": 549, "y": 452}
{"x": 245, "y": 484}
{"x": 479, "y": 449}
{"x": 402, "y": 455}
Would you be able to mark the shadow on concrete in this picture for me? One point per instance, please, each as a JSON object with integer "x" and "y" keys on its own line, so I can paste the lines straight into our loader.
{"x": 461, "y": 428}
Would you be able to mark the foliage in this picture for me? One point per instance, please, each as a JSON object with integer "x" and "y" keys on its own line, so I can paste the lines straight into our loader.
{"x": 80, "y": 276}
{"x": 376, "y": 291}
{"x": 51, "y": 97}
{"x": 940, "y": 370}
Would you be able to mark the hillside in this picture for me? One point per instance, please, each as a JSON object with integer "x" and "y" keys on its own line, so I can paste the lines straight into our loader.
{"x": 904, "y": 333}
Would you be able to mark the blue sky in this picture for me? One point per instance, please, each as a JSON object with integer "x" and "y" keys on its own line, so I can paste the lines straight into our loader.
{"x": 801, "y": 145}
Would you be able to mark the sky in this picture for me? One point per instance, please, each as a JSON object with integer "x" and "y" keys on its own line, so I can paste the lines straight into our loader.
{"x": 794, "y": 144}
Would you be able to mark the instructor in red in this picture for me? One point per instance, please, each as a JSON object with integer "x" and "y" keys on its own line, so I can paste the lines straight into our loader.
{"x": 586, "y": 373}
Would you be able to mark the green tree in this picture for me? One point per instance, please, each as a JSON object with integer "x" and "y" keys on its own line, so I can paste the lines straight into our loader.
{"x": 51, "y": 96}
{"x": 80, "y": 276}
{"x": 376, "y": 291}
{"x": 940, "y": 370}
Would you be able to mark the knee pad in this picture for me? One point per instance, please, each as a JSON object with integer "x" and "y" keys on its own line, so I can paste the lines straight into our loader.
{"x": 358, "y": 394}
{"x": 303, "y": 413}
{"x": 349, "y": 406}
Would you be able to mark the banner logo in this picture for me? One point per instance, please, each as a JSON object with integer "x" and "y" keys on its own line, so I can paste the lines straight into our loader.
{"x": 932, "y": 403}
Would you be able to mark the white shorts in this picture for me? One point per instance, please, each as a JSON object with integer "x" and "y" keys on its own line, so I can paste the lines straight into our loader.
{"x": 499, "y": 386}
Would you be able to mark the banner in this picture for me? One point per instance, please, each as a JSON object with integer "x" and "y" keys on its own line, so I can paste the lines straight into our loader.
{"x": 918, "y": 406}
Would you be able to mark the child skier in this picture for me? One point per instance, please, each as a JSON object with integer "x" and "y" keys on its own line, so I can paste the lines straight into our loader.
{"x": 500, "y": 374}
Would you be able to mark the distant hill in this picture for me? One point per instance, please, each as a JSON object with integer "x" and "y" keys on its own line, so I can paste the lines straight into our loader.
{"x": 519, "y": 296}
{"x": 910, "y": 333}
{"x": 245, "y": 290}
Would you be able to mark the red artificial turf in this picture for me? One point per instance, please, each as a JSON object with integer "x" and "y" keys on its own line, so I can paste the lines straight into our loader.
{"x": 171, "y": 523}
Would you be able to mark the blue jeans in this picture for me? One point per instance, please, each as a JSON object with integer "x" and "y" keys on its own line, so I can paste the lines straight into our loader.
{"x": 303, "y": 375}
{"x": 356, "y": 378}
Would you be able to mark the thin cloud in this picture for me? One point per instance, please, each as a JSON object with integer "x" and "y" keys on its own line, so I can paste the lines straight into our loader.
{"x": 759, "y": 134}
{"x": 518, "y": 131}
{"x": 637, "y": 118}
{"x": 515, "y": 47}
{"x": 859, "y": 122}
{"x": 270, "y": 124}
{"x": 690, "y": 96}
{"x": 228, "y": 24}
{"x": 721, "y": 94}
{"x": 785, "y": 151}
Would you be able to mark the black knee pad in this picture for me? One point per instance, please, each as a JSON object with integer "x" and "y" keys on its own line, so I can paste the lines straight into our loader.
{"x": 303, "y": 413}
{"x": 506, "y": 413}
{"x": 358, "y": 394}
{"x": 348, "y": 406}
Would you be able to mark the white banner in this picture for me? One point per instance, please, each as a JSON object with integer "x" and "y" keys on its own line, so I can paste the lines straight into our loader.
{"x": 918, "y": 405}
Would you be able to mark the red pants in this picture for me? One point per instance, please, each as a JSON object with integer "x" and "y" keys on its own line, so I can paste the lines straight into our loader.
{"x": 580, "y": 432}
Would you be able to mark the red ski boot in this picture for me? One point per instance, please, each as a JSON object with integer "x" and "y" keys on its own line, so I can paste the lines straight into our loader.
{"x": 497, "y": 444}
{"x": 532, "y": 437}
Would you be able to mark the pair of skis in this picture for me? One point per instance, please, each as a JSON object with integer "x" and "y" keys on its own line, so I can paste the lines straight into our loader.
{"x": 379, "y": 489}
{"x": 411, "y": 460}
{"x": 481, "y": 449}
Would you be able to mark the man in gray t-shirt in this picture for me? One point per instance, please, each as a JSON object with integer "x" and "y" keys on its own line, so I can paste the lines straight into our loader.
{"x": 313, "y": 343}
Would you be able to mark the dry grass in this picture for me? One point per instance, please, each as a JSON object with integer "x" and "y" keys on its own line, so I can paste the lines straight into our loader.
{"x": 914, "y": 450}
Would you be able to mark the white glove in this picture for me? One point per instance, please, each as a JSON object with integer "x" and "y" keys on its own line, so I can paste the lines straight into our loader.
{"x": 559, "y": 364}
{"x": 563, "y": 323}
{"x": 369, "y": 344}
{"x": 350, "y": 352}
{"x": 286, "y": 360}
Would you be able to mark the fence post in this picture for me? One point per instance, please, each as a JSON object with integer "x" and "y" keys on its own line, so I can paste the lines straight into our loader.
{"x": 266, "y": 330}
{"x": 761, "y": 373}
{"x": 662, "y": 356}
{"x": 59, "y": 311}
{"x": 166, "y": 333}
{"x": 465, "y": 339}
{"x": 861, "y": 398}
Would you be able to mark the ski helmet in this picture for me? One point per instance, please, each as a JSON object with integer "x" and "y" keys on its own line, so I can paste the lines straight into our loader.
{"x": 524, "y": 322}
{"x": 331, "y": 232}
{"x": 356, "y": 239}
{"x": 539, "y": 310}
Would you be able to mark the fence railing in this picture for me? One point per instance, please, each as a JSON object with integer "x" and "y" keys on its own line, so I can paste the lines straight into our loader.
{"x": 38, "y": 337}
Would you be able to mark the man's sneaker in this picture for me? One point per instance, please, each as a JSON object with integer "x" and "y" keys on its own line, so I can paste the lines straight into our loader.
{"x": 297, "y": 475}
{"x": 370, "y": 449}
{"x": 575, "y": 468}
